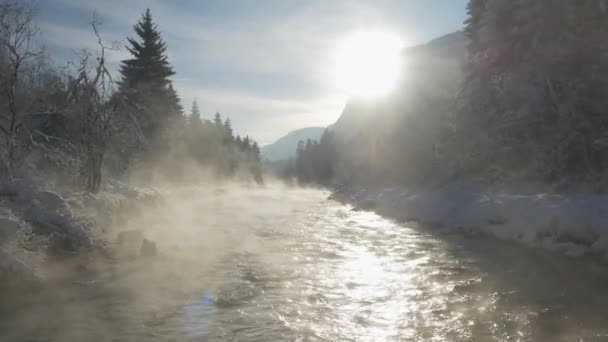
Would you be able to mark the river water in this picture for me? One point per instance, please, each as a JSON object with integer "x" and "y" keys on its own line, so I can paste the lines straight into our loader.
{"x": 280, "y": 264}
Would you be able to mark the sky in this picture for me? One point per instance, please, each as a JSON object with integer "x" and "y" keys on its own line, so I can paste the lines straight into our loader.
{"x": 266, "y": 64}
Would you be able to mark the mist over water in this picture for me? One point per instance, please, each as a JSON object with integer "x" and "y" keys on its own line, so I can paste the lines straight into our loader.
{"x": 286, "y": 264}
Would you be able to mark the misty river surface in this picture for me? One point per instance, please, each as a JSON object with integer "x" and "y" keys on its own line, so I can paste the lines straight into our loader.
{"x": 290, "y": 265}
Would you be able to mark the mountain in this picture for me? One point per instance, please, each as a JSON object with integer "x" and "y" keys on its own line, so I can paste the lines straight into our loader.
{"x": 397, "y": 139}
{"x": 285, "y": 147}
{"x": 431, "y": 73}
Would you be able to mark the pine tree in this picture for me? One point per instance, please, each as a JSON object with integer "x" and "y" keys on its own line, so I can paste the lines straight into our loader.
{"x": 300, "y": 163}
{"x": 533, "y": 79}
{"x": 228, "y": 132}
{"x": 149, "y": 66}
{"x": 255, "y": 152}
{"x": 246, "y": 145}
{"x": 475, "y": 10}
{"x": 217, "y": 120}
{"x": 174, "y": 102}
{"x": 194, "y": 119}
{"x": 195, "y": 114}
{"x": 146, "y": 80}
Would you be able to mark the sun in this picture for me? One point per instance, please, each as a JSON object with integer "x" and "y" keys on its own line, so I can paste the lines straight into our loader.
{"x": 367, "y": 63}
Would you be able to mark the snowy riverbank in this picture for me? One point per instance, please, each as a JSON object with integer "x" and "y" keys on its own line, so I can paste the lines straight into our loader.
{"x": 575, "y": 224}
{"x": 36, "y": 222}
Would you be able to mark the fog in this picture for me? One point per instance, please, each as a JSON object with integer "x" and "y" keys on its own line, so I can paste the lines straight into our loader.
{"x": 200, "y": 233}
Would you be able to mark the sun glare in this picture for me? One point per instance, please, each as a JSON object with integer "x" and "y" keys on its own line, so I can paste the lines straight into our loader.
{"x": 368, "y": 63}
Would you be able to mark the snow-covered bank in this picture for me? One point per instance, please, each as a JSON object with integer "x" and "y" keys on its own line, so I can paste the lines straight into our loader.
{"x": 575, "y": 224}
{"x": 35, "y": 220}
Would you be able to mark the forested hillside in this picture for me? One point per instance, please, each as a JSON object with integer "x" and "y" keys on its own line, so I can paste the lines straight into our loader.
{"x": 284, "y": 148}
{"x": 519, "y": 95}
{"x": 74, "y": 124}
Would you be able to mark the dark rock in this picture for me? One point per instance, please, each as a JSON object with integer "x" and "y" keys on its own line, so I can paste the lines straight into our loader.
{"x": 51, "y": 201}
{"x": 71, "y": 232}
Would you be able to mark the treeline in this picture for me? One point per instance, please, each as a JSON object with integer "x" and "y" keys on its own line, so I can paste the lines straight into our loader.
{"x": 530, "y": 105}
{"x": 70, "y": 124}
{"x": 534, "y": 98}
{"x": 314, "y": 161}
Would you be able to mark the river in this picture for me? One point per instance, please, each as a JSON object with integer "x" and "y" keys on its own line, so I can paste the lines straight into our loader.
{"x": 280, "y": 264}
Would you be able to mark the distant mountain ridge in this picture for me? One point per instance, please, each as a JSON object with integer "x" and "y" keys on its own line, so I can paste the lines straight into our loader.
{"x": 285, "y": 147}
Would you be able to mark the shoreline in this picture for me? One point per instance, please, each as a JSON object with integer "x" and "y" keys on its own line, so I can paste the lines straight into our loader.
{"x": 572, "y": 224}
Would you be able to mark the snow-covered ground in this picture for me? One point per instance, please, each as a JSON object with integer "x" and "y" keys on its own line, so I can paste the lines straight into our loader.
{"x": 575, "y": 223}
{"x": 68, "y": 221}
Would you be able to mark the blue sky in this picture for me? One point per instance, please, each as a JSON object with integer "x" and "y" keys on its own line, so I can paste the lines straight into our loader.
{"x": 264, "y": 63}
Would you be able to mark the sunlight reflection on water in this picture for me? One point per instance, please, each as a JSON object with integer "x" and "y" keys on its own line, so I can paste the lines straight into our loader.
{"x": 314, "y": 270}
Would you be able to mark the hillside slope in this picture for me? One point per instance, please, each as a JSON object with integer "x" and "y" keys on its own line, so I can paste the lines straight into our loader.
{"x": 431, "y": 71}
{"x": 285, "y": 147}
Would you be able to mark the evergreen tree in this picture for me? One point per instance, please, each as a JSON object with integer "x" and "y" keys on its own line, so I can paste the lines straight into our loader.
{"x": 246, "y": 144}
{"x": 475, "y": 10}
{"x": 174, "y": 102}
{"x": 195, "y": 119}
{"x": 308, "y": 146}
{"x": 255, "y": 152}
{"x": 228, "y": 132}
{"x": 300, "y": 160}
{"x": 145, "y": 80}
{"x": 533, "y": 79}
{"x": 217, "y": 120}
{"x": 149, "y": 65}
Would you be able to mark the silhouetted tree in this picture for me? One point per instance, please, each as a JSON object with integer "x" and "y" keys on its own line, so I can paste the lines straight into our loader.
{"x": 195, "y": 119}
{"x": 146, "y": 78}
{"x": 17, "y": 32}
{"x": 245, "y": 145}
{"x": 149, "y": 65}
{"x": 228, "y": 132}
{"x": 255, "y": 152}
{"x": 217, "y": 120}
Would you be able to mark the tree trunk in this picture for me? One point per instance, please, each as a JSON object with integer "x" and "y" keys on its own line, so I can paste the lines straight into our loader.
{"x": 92, "y": 171}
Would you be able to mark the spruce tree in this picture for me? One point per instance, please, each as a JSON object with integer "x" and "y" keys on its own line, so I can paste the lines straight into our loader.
{"x": 228, "y": 132}
{"x": 149, "y": 66}
{"x": 174, "y": 103}
{"x": 195, "y": 115}
{"x": 246, "y": 144}
{"x": 217, "y": 120}
{"x": 146, "y": 80}
{"x": 475, "y": 10}
{"x": 255, "y": 152}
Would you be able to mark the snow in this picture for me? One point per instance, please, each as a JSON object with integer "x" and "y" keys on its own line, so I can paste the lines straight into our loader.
{"x": 575, "y": 224}
{"x": 33, "y": 218}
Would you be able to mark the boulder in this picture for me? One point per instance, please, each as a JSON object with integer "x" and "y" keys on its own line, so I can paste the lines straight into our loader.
{"x": 51, "y": 201}
{"x": 51, "y": 223}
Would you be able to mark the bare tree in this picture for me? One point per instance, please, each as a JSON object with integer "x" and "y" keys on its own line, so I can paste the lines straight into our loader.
{"x": 17, "y": 31}
{"x": 91, "y": 97}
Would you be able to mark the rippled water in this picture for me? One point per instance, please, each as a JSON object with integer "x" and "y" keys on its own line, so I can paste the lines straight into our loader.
{"x": 289, "y": 265}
